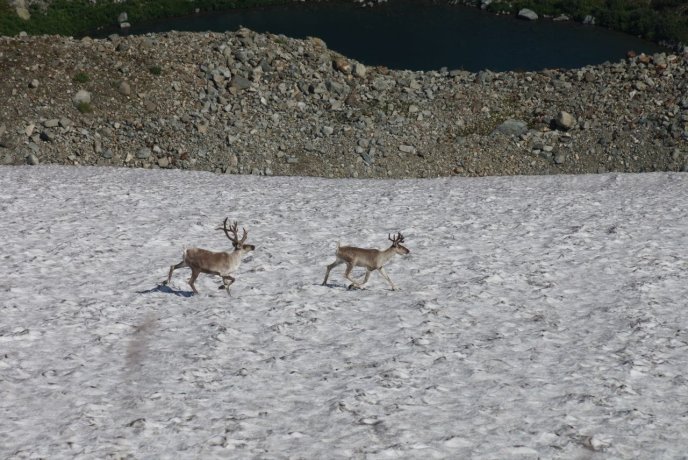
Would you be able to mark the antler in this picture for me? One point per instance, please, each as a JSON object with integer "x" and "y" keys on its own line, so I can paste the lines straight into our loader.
{"x": 234, "y": 237}
{"x": 397, "y": 239}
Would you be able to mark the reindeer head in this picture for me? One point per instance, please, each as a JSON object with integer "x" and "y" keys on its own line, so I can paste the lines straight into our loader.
{"x": 396, "y": 244}
{"x": 233, "y": 234}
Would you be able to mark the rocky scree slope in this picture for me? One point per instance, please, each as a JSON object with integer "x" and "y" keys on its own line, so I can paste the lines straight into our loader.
{"x": 249, "y": 103}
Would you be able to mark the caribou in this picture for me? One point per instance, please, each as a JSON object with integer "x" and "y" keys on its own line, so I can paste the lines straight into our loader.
{"x": 370, "y": 259}
{"x": 221, "y": 264}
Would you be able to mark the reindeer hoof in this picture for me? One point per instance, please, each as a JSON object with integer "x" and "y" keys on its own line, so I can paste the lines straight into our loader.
{"x": 353, "y": 286}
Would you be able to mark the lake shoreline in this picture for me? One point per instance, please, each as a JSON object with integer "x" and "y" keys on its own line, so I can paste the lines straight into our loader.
{"x": 665, "y": 26}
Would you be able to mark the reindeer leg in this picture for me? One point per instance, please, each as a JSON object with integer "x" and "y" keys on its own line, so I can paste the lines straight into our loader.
{"x": 330, "y": 267}
{"x": 347, "y": 275}
{"x": 173, "y": 268}
{"x": 192, "y": 280}
{"x": 365, "y": 278}
{"x": 384, "y": 273}
{"x": 227, "y": 284}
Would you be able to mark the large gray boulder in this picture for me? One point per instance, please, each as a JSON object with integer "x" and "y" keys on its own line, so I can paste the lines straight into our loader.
{"x": 528, "y": 14}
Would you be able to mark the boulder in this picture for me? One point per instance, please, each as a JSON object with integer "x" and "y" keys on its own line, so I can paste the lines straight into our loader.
{"x": 239, "y": 83}
{"x": 512, "y": 127}
{"x": 82, "y": 97}
{"x": 564, "y": 120}
{"x": 124, "y": 88}
{"x": 359, "y": 70}
{"x": 528, "y": 14}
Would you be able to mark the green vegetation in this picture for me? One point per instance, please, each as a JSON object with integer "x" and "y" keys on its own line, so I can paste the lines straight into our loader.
{"x": 77, "y": 17}
{"x": 84, "y": 107}
{"x": 155, "y": 70}
{"x": 81, "y": 77}
{"x": 653, "y": 19}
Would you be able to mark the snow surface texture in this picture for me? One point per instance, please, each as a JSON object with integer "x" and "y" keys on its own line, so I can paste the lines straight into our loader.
{"x": 536, "y": 317}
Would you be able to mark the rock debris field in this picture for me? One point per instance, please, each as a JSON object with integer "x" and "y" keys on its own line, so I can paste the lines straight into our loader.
{"x": 262, "y": 104}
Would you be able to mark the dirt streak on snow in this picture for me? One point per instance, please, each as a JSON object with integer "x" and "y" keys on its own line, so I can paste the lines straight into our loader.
{"x": 537, "y": 317}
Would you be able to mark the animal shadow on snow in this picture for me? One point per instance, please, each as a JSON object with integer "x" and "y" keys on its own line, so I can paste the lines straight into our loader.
{"x": 165, "y": 289}
{"x": 346, "y": 287}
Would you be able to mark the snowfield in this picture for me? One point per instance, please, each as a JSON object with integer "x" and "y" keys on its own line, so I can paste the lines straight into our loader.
{"x": 537, "y": 317}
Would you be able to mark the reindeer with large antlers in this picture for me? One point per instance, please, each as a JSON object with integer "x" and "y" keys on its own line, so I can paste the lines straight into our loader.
{"x": 370, "y": 259}
{"x": 221, "y": 264}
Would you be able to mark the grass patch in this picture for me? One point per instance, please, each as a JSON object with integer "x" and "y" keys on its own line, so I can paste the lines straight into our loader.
{"x": 81, "y": 77}
{"x": 155, "y": 70}
{"x": 79, "y": 17}
{"x": 84, "y": 107}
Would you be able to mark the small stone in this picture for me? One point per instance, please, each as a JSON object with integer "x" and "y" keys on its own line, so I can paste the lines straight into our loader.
{"x": 239, "y": 83}
{"x": 32, "y": 160}
{"x": 407, "y": 148}
{"x": 512, "y": 127}
{"x": 163, "y": 162}
{"x": 360, "y": 70}
{"x": 82, "y": 97}
{"x": 143, "y": 153}
{"x": 327, "y": 130}
{"x": 107, "y": 154}
{"x": 34, "y": 83}
{"x": 367, "y": 158}
{"x": 124, "y": 88}
{"x": 565, "y": 120}
{"x": 342, "y": 64}
{"x": 22, "y": 12}
{"x": 560, "y": 158}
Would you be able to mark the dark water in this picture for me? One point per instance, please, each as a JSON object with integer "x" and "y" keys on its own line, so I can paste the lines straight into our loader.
{"x": 420, "y": 35}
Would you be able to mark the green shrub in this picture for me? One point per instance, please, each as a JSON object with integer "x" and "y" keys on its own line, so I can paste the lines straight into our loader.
{"x": 81, "y": 77}
{"x": 84, "y": 107}
{"x": 155, "y": 70}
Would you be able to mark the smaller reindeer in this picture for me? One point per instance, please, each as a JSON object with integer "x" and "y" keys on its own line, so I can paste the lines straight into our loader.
{"x": 215, "y": 263}
{"x": 371, "y": 259}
